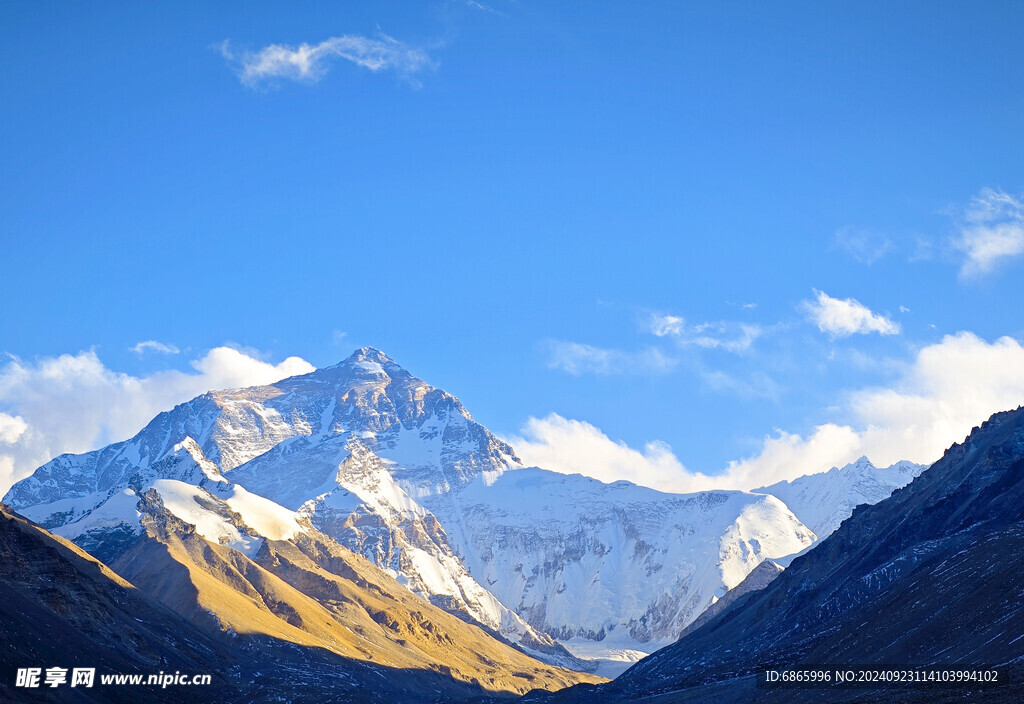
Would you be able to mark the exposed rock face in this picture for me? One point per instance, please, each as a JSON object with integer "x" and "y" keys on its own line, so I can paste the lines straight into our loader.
{"x": 580, "y": 558}
{"x": 341, "y": 634}
{"x": 930, "y": 575}
{"x": 309, "y": 439}
{"x": 310, "y": 591}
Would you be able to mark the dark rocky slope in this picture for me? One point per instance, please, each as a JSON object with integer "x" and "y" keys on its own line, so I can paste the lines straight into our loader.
{"x": 761, "y": 576}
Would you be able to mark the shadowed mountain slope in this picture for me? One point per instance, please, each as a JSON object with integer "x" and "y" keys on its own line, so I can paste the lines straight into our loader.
{"x": 61, "y": 607}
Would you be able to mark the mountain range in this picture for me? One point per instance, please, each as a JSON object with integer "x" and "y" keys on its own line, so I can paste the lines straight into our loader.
{"x": 306, "y": 511}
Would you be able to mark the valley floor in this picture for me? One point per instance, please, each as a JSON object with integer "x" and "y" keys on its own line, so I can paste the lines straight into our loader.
{"x": 612, "y": 656}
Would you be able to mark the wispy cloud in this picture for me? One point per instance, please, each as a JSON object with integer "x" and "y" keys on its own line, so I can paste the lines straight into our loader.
{"x": 732, "y": 337}
{"x": 865, "y": 246}
{"x": 310, "y": 62}
{"x": 577, "y": 359}
{"x": 992, "y": 231}
{"x": 758, "y": 385}
{"x": 480, "y": 6}
{"x": 662, "y": 325}
{"x": 845, "y": 317}
{"x": 725, "y": 335}
{"x": 154, "y": 346}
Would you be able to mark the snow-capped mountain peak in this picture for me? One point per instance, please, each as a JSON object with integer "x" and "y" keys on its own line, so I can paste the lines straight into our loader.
{"x": 823, "y": 501}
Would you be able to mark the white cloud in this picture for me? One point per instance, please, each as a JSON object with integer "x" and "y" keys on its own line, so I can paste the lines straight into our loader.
{"x": 788, "y": 456}
{"x": 949, "y": 388}
{"x": 993, "y": 230}
{"x": 74, "y": 403}
{"x": 309, "y": 63}
{"x": 577, "y": 447}
{"x": 729, "y": 336}
{"x": 11, "y": 428}
{"x": 662, "y": 325}
{"x": 576, "y": 359}
{"x": 848, "y": 316}
{"x": 227, "y": 368}
{"x": 573, "y": 446}
{"x": 946, "y": 390}
{"x": 154, "y": 346}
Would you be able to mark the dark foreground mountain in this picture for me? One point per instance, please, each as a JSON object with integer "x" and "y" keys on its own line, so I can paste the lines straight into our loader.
{"x": 763, "y": 575}
{"x": 931, "y": 575}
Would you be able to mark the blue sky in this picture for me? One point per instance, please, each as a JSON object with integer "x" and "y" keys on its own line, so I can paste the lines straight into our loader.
{"x": 816, "y": 207}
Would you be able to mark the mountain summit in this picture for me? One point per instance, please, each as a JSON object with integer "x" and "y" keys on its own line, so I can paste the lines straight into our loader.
{"x": 365, "y": 355}
{"x": 824, "y": 500}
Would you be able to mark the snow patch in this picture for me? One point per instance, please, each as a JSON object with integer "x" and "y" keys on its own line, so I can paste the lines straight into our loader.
{"x": 118, "y": 510}
{"x": 269, "y": 519}
{"x": 186, "y": 502}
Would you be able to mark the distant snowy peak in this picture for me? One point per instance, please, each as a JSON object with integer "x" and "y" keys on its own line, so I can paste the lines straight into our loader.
{"x": 823, "y": 501}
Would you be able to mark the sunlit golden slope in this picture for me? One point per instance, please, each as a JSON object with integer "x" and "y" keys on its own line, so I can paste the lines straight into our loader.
{"x": 313, "y": 592}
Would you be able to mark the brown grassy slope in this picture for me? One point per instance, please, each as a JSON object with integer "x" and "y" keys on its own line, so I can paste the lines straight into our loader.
{"x": 317, "y": 593}
{"x": 59, "y": 607}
